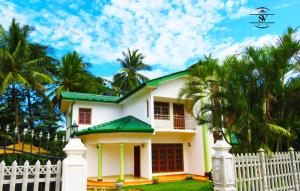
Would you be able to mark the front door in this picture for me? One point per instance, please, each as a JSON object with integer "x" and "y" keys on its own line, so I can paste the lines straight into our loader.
{"x": 178, "y": 116}
{"x": 137, "y": 161}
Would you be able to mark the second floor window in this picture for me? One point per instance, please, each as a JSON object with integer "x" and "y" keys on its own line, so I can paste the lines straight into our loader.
{"x": 161, "y": 110}
{"x": 85, "y": 116}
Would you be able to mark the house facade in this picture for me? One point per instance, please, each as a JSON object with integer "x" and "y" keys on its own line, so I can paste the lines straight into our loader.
{"x": 144, "y": 134}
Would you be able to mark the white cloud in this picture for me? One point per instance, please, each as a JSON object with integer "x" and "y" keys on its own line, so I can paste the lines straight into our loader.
{"x": 236, "y": 48}
{"x": 168, "y": 33}
{"x": 241, "y": 12}
{"x": 284, "y": 5}
{"x": 153, "y": 73}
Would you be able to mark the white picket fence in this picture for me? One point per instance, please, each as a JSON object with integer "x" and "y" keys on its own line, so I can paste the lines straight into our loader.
{"x": 25, "y": 174}
{"x": 260, "y": 172}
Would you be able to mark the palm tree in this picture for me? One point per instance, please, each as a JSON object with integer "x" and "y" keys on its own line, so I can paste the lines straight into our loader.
{"x": 18, "y": 65}
{"x": 71, "y": 75}
{"x": 129, "y": 77}
{"x": 204, "y": 88}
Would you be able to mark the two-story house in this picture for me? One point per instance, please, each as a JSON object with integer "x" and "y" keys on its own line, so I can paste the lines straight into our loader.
{"x": 145, "y": 133}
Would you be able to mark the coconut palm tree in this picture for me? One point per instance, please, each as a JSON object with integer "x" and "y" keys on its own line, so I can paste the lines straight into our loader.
{"x": 19, "y": 64}
{"x": 71, "y": 75}
{"x": 129, "y": 76}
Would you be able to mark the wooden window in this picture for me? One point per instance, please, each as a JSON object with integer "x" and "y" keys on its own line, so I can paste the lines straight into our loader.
{"x": 167, "y": 158}
{"x": 161, "y": 110}
{"x": 85, "y": 116}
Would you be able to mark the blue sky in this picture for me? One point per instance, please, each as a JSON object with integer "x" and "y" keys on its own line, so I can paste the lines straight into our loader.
{"x": 171, "y": 34}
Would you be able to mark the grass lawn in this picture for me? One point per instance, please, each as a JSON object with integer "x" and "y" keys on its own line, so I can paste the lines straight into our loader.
{"x": 186, "y": 185}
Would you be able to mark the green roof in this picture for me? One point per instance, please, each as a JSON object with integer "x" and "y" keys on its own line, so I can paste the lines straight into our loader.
{"x": 155, "y": 82}
{"x": 115, "y": 99}
{"x": 88, "y": 97}
{"x": 124, "y": 124}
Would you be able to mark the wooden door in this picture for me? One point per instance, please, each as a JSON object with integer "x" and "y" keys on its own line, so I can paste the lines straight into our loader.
{"x": 178, "y": 116}
{"x": 137, "y": 161}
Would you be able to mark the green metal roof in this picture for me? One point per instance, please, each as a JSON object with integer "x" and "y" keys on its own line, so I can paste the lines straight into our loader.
{"x": 88, "y": 97}
{"x": 124, "y": 124}
{"x": 115, "y": 99}
{"x": 155, "y": 82}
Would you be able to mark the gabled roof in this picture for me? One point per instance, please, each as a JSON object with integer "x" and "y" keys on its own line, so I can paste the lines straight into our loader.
{"x": 115, "y": 99}
{"x": 124, "y": 124}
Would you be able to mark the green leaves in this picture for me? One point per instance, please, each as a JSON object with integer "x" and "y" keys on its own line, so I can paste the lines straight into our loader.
{"x": 250, "y": 94}
{"x": 280, "y": 131}
{"x": 129, "y": 76}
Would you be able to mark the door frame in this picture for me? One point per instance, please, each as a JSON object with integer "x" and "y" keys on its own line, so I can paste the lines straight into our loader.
{"x": 178, "y": 123}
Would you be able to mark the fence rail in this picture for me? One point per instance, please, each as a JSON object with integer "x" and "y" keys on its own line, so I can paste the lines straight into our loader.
{"x": 26, "y": 174}
{"x": 174, "y": 122}
{"x": 260, "y": 172}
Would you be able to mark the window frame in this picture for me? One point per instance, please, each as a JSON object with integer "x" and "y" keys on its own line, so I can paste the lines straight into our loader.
{"x": 84, "y": 118}
{"x": 161, "y": 115}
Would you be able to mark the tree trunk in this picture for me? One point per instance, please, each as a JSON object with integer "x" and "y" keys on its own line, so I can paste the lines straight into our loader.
{"x": 14, "y": 98}
{"x": 29, "y": 109}
{"x": 16, "y": 111}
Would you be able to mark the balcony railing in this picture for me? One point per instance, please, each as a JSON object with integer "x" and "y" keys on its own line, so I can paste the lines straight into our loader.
{"x": 174, "y": 122}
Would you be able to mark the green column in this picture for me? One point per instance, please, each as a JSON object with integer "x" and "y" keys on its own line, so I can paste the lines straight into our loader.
{"x": 122, "y": 161}
{"x": 207, "y": 157}
{"x": 99, "y": 162}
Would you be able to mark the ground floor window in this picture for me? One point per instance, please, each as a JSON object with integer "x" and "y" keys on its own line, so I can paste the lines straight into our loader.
{"x": 167, "y": 157}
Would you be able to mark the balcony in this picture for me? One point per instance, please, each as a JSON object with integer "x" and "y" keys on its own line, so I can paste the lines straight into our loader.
{"x": 174, "y": 122}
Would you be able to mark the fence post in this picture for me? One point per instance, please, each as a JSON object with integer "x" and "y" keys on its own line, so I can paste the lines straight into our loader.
{"x": 294, "y": 168}
{"x": 262, "y": 160}
{"x": 74, "y": 174}
{"x": 223, "y": 167}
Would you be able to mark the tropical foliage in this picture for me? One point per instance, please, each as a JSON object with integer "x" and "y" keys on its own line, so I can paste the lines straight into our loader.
{"x": 250, "y": 96}
{"x": 129, "y": 76}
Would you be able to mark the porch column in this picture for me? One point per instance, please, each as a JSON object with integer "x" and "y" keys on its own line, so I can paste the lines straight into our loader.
{"x": 207, "y": 158}
{"x": 122, "y": 161}
{"x": 99, "y": 146}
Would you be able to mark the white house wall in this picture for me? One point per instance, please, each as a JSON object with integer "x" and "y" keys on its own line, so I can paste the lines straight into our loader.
{"x": 137, "y": 105}
{"x": 195, "y": 154}
{"x": 101, "y": 112}
{"x": 169, "y": 89}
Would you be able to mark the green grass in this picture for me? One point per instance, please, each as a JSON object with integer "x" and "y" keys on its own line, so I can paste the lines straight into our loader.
{"x": 186, "y": 185}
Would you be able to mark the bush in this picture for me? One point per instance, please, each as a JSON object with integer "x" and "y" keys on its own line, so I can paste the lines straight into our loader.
{"x": 155, "y": 180}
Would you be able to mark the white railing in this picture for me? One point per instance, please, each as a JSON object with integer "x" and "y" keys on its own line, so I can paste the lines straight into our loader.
{"x": 30, "y": 174}
{"x": 174, "y": 122}
{"x": 261, "y": 172}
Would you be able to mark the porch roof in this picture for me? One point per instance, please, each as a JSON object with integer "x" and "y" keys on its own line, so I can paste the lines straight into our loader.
{"x": 124, "y": 124}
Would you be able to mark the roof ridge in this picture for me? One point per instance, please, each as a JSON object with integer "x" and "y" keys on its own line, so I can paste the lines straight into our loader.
{"x": 109, "y": 122}
{"x": 90, "y": 94}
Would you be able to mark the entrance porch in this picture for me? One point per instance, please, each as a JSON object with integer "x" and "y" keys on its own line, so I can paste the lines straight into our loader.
{"x": 119, "y": 158}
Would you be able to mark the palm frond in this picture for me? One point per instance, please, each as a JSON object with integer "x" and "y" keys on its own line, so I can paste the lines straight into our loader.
{"x": 279, "y": 130}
